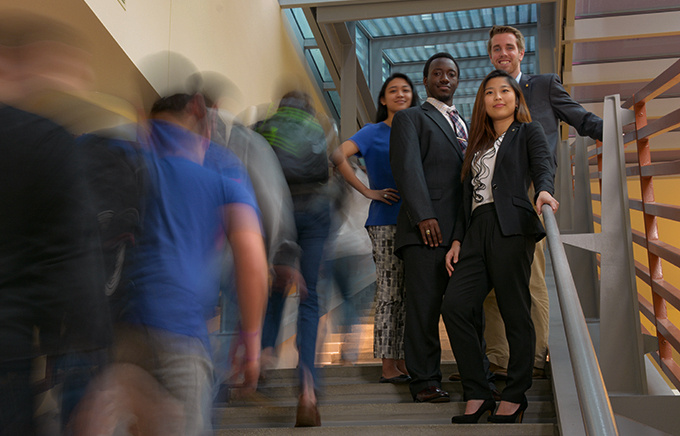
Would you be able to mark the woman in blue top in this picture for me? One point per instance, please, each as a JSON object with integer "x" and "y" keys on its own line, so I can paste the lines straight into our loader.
{"x": 372, "y": 143}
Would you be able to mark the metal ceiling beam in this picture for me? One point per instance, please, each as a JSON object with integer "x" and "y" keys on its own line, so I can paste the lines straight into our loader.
{"x": 365, "y": 10}
{"x": 338, "y": 49}
{"x": 545, "y": 60}
{"x": 288, "y": 4}
{"x": 348, "y": 81}
{"x": 323, "y": 47}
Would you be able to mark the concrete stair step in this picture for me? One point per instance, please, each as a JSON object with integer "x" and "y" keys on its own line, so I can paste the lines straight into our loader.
{"x": 539, "y": 412}
{"x": 396, "y": 429}
{"x": 368, "y": 372}
{"x": 342, "y": 391}
{"x": 334, "y": 374}
{"x": 352, "y": 402}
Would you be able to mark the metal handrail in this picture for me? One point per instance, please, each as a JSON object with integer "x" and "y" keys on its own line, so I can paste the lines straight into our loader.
{"x": 596, "y": 408}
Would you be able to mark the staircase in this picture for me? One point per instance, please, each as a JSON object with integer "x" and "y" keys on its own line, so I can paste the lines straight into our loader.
{"x": 352, "y": 402}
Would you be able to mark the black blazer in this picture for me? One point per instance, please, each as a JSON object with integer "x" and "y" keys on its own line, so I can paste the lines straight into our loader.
{"x": 523, "y": 157}
{"x": 426, "y": 160}
{"x": 549, "y": 103}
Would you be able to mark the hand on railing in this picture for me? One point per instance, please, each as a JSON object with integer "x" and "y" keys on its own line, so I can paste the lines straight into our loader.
{"x": 544, "y": 198}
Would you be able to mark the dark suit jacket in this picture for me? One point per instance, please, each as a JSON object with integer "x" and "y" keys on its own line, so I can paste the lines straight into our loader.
{"x": 51, "y": 272}
{"x": 426, "y": 160}
{"x": 549, "y": 103}
{"x": 523, "y": 156}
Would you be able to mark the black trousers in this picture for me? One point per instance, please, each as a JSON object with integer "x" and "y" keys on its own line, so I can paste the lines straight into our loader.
{"x": 425, "y": 281}
{"x": 490, "y": 260}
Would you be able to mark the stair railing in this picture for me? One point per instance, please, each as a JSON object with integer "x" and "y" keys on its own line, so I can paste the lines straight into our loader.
{"x": 636, "y": 391}
{"x": 597, "y": 411}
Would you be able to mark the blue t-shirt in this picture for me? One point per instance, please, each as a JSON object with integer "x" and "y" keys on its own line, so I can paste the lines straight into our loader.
{"x": 174, "y": 270}
{"x": 373, "y": 141}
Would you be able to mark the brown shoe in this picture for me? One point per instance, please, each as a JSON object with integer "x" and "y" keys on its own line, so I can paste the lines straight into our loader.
{"x": 455, "y": 376}
{"x": 432, "y": 394}
{"x": 500, "y": 372}
{"x": 538, "y": 373}
{"x": 307, "y": 415}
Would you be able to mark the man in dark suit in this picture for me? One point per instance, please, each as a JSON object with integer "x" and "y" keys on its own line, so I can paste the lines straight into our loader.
{"x": 549, "y": 103}
{"x": 426, "y": 154}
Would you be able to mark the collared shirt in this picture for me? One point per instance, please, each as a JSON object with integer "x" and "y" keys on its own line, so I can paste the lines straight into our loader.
{"x": 519, "y": 77}
{"x": 444, "y": 109}
{"x": 483, "y": 167}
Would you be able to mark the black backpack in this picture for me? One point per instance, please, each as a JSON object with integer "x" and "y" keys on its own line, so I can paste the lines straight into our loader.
{"x": 116, "y": 173}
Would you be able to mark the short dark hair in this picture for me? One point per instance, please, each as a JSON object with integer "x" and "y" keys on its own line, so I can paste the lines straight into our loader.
{"x": 381, "y": 112}
{"x": 175, "y": 103}
{"x": 442, "y": 54}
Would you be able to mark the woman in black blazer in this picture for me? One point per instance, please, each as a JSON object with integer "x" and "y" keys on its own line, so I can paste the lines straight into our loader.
{"x": 494, "y": 241}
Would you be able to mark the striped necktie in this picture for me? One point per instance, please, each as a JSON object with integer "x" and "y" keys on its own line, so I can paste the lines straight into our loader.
{"x": 459, "y": 127}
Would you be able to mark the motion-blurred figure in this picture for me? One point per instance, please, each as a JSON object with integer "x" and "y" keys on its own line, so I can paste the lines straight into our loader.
{"x": 173, "y": 280}
{"x": 231, "y": 139}
{"x": 349, "y": 268}
{"x": 299, "y": 141}
{"x": 50, "y": 264}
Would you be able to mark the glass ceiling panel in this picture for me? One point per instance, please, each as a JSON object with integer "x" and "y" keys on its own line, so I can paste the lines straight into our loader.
{"x": 470, "y": 52}
{"x": 459, "y": 50}
{"x": 447, "y": 21}
{"x": 362, "y": 51}
{"x": 301, "y": 21}
{"x": 320, "y": 65}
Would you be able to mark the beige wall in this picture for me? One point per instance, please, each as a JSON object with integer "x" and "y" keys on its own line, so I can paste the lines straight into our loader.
{"x": 114, "y": 74}
{"x": 245, "y": 40}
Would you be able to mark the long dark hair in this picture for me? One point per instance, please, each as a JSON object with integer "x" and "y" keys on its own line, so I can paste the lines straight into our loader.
{"x": 381, "y": 112}
{"x": 482, "y": 133}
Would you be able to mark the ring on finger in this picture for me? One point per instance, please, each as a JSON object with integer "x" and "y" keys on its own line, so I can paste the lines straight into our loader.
{"x": 427, "y": 232}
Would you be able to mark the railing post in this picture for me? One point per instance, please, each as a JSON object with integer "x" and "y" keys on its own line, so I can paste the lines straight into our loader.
{"x": 620, "y": 345}
{"x": 583, "y": 262}
{"x": 564, "y": 186}
{"x": 621, "y": 350}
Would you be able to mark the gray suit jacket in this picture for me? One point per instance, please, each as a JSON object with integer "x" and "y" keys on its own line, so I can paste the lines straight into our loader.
{"x": 426, "y": 160}
{"x": 549, "y": 103}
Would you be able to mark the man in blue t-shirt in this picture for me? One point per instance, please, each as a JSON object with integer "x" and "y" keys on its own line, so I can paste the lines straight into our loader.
{"x": 173, "y": 272}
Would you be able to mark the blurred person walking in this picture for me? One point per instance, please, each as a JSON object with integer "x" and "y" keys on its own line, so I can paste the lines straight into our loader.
{"x": 348, "y": 264}
{"x": 299, "y": 141}
{"x": 172, "y": 279}
{"x": 51, "y": 276}
{"x": 372, "y": 143}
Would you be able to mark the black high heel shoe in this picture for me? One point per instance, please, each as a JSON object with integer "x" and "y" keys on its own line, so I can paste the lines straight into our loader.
{"x": 510, "y": 419}
{"x": 487, "y": 406}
